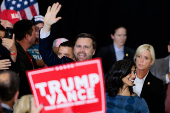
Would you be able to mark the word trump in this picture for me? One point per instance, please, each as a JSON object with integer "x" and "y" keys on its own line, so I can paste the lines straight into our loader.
{"x": 71, "y": 90}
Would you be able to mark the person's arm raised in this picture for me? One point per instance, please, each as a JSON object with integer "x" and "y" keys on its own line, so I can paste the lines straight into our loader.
{"x": 50, "y": 17}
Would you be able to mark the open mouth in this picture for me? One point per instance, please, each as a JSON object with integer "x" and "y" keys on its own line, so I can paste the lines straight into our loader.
{"x": 132, "y": 80}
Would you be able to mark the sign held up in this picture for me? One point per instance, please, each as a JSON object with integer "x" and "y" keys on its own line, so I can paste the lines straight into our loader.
{"x": 70, "y": 88}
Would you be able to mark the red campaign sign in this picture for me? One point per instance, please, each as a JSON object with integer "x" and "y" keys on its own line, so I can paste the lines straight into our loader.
{"x": 70, "y": 88}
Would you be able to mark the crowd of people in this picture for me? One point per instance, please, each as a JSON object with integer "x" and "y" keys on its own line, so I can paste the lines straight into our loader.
{"x": 135, "y": 81}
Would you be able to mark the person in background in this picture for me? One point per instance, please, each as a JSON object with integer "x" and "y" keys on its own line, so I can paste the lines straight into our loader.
{"x": 38, "y": 22}
{"x": 8, "y": 53}
{"x": 66, "y": 49}
{"x": 27, "y": 105}
{"x": 9, "y": 90}
{"x": 116, "y": 51}
{"x": 2, "y": 31}
{"x": 161, "y": 68}
{"x": 24, "y": 31}
{"x": 146, "y": 85}
{"x": 9, "y": 18}
{"x": 56, "y": 44}
{"x": 120, "y": 97}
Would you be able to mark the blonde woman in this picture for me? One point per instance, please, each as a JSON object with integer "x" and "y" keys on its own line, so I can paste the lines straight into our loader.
{"x": 148, "y": 86}
{"x": 26, "y": 105}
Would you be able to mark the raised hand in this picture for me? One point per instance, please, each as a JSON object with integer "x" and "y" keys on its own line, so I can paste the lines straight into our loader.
{"x": 50, "y": 16}
{"x": 33, "y": 107}
{"x": 9, "y": 44}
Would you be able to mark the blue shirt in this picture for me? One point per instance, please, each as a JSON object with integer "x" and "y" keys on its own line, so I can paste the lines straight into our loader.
{"x": 119, "y": 53}
{"x": 126, "y": 104}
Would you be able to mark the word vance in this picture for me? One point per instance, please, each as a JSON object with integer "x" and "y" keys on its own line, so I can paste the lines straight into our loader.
{"x": 80, "y": 90}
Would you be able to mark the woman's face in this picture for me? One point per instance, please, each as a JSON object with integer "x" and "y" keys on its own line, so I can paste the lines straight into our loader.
{"x": 144, "y": 60}
{"x": 130, "y": 78}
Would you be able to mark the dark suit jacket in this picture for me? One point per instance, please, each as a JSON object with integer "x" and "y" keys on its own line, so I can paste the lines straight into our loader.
{"x": 25, "y": 65}
{"x": 154, "y": 94}
{"x": 107, "y": 54}
{"x": 48, "y": 55}
{"x": 7, "y": 110}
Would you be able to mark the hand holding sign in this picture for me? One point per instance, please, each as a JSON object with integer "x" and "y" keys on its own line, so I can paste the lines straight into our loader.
{"x": 75, "y": 87}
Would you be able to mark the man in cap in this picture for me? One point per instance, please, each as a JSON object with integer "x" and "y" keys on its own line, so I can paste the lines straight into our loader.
{"x": 9, "y": 18}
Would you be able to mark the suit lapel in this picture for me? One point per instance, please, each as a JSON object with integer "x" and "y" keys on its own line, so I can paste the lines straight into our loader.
{"x": 113, "y": 54}
{"x": 146, "y": 86}
{"x": 126, "y": 55}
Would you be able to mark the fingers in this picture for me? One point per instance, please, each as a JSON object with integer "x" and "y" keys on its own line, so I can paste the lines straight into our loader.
{"x": 13, "y": 37}
{"x": 4, "y": 64}
{"x": 40, "y": 107}
{"x": 33, "y": 107}
{"x": 49, "y": 8}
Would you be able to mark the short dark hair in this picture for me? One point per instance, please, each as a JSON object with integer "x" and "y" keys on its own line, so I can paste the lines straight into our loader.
{"x": 117, "y": 26}
{"x": 113, "y": 79}
{"x": 10, "y": 86}
{"x": 86, "y": 35}
{"x": 67, "y": 44}
{"x": 23, "y": 27}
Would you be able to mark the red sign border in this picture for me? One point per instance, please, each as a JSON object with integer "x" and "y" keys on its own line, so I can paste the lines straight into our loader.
{"x": 52, "y": 68}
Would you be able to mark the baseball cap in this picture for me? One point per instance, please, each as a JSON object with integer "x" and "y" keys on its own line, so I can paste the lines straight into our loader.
{"x": 58, "y": 41}
{"x": 38, "y": 19}
{"x": 11, "y": 15}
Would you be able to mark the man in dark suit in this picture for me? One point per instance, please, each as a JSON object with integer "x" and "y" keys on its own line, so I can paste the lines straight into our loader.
{"x": 84, "y": 47}
{"x": 116, "y": 51}
{"x": 9, "y": 90}
{"x": 24, "y": 31}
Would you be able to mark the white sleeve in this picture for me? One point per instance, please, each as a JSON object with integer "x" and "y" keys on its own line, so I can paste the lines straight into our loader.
{"x": 167, "y": 78}
{"x": 44, "y": 35}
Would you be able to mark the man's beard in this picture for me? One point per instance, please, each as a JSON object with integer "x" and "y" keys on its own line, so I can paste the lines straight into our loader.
{"x": 85, "y": 56}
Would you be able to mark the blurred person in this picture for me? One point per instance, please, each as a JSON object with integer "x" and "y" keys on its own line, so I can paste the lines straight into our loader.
{"x": 66, "y": 49}
{"x": 24, "y": 31}
{"x": 2, "y": 31}
{"x": 9, "y": 90}
{"x": 116, "y": 51}
{"x": 23, "y": 104}
{"x": 161, "y": 68}
{"x": 8, "y": 55}
{"x": 120, "y": 97}
{"x": 148, "y": 86}
{"x": 27, "y": 105}
{"x": 56, "y": 44}
{"x": 38, "y": 22}
{"x": 9, "y": 18}
{"x": 84, "y": 47}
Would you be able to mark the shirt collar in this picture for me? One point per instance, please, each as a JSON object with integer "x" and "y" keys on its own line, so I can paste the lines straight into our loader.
{"x": 5, "y": 106}
{"x": 117, "y": 49}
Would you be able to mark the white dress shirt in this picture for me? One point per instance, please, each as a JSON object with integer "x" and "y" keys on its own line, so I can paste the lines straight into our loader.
{"x": 167, "y": 78}
{"x": 44, "y": 35}
{"x": 137, "y": 88}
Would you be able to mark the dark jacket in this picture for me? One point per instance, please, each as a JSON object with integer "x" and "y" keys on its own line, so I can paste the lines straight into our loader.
{"x": 25, "y": 65}
{"x": 5, "y": 54}
{"x": 154, "y": 94}
{"x": 48, "y": 55}
{"x": 108, "y": 56}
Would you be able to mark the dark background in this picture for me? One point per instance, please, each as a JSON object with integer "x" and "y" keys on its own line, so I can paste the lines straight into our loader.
{"x": 148, "y": 21}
